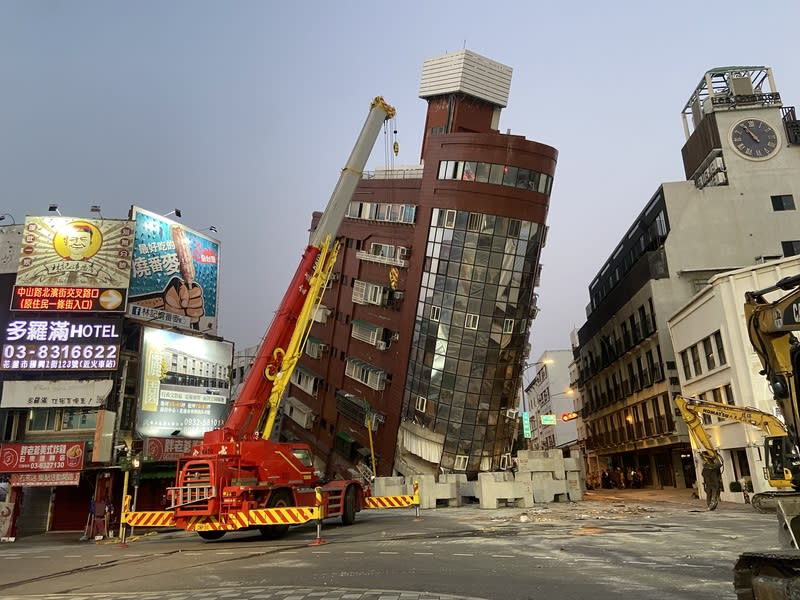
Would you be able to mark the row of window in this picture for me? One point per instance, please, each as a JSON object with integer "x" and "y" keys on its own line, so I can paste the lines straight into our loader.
{"x": 646, "y": 235}
{"x": 704, "y": 356}
{"x": 470, "y": 320}
{"x": 381, "y": 211}
{"x": 507, "y": 175}
{"x": 58, "y": 419}
{"x": 638, "y": 326}
{"x": 639, "y": 373}
{"x": 645, "y": 419}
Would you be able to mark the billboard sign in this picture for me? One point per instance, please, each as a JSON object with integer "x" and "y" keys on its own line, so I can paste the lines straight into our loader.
{"x": 175, "y": 273}
{"x": 184, "y": 383}
{"x": 41, "y": 456}
{"x": 73, "y": 265}
{"x": 64, "y": 343}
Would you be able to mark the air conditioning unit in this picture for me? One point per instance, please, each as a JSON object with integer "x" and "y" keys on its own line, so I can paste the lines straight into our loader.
{"x": 719, "y": 179}
{"x": 397, "y": 295}
{"x": 381, "y": 345}
{"x": 323, "y": 348}
{"x": 334, "y": 276}
{"x": 511, "y": 413}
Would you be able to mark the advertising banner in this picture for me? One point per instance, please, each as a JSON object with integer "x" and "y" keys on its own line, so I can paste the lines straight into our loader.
{"x": 73, "y": 265}
{"x": 175, "y": 273}
{"x": 41, "y": 456}
{"x": 184, "y": 384}
{"x": 64, "y": 343}
{"x": 70, "y": 393}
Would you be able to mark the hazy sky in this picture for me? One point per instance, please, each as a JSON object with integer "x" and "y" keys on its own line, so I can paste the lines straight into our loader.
{"x": 242, "y": 113}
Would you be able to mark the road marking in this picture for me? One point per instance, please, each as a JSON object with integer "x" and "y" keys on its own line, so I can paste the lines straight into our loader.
{"x": 388, "y": 553}
{"x": 424, "y": 553}
{"x": 502, "y": 556}
{"x": 456, "y": 554}
{"x": 102, "y": 555}
{"x": 224, "y": 552}
{"x": 78, "y": 555}
{"x": 353, "y": 552}
{"x": 632, "y": 562}
{"x": 320, "y": 552}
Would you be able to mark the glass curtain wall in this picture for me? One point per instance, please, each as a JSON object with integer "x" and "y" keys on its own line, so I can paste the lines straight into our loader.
{"x": 470, "y": 334}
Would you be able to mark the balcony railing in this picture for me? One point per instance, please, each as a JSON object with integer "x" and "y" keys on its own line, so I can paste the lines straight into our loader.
{"x": 379, "y": 258}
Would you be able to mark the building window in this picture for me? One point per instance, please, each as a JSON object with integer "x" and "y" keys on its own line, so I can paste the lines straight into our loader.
{"x": 421, "y": 403}
{"x": 698, "y": 369}
{"x": 436, "y": 312}
{"x": 720, "y": 348}
{"x": 728, "y": 392}
{"x": 791, "y": 248}
{"x": 474, "y": 223}
{"x": 461, "y": 462}
{"x": 471, "y": 321}
{"x": 687, "y": 369}
{"x": 784, "y": 202}
{"x": 508, "y": 326}
{"x": 709, "y": 353}
{"x": 449, "y": 219}
{"x": 62, "y": 419}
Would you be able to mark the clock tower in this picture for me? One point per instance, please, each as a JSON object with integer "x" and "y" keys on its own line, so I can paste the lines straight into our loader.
{"x": 734, "y": 123}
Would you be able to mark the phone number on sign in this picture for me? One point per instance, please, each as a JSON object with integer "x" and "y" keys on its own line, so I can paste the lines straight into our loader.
{"x": 59, "y": 351}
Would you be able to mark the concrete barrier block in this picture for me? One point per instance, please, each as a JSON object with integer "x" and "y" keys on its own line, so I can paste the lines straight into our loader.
{"x": 575, "y": 486}
{"x": 548, "y": 489}
{"x": 494, "y": 488}
{"x": 389, "y": 486}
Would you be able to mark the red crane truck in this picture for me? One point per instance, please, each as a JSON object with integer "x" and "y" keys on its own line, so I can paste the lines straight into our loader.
{"x": 237, "y": 478}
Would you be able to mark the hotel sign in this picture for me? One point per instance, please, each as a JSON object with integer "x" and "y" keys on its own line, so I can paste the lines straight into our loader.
{"x": 62, "y": 344}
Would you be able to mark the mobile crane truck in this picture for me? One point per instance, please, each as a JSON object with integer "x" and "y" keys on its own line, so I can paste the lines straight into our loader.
{"x": 237, "y": 478}
{"x": 779, "y": 469}
{"x": 776, "y": 574}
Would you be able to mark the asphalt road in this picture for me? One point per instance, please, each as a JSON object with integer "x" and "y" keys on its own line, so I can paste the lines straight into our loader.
{"x": 612, "y": 545}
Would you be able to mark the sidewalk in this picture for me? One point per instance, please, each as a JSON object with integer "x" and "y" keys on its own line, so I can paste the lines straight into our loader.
{"x": 682, "y": 496}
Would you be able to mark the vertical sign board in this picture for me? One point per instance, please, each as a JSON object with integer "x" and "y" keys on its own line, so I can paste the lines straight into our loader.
{"x": 526, "y": 425}
{"x": 73, "y": 265}
{"x": 175, "y": 274}
{"x": 184, "y": 384}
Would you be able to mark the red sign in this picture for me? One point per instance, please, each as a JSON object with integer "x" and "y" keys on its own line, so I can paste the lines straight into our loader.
{"x": 45, "y": 479}
{"x": 40, "y": 457}
{"x": 168, "y": 448}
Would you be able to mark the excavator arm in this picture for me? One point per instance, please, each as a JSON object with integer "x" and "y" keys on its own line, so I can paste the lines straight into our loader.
{"x": 712, "y": 461}
{"x": 770, "y": 326}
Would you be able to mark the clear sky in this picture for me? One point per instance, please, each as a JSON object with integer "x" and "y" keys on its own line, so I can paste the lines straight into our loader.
{"x": 241, "y": 114}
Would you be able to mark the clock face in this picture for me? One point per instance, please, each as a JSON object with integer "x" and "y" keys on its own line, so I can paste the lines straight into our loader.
{"x": 755, "y": 139}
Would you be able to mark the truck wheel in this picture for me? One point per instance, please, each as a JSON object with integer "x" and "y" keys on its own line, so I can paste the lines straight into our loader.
{"x": 279, "y": 499}
{"x": 349, "y": 508}
{"x": 210, "y": 535}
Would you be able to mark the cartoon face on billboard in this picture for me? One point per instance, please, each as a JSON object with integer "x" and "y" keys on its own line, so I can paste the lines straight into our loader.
{"x": 78, "y": 240}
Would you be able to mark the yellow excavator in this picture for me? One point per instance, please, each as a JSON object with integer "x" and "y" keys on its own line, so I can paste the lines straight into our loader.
{"x": 770, "y": 324}
{"x": 780, "y": 466}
